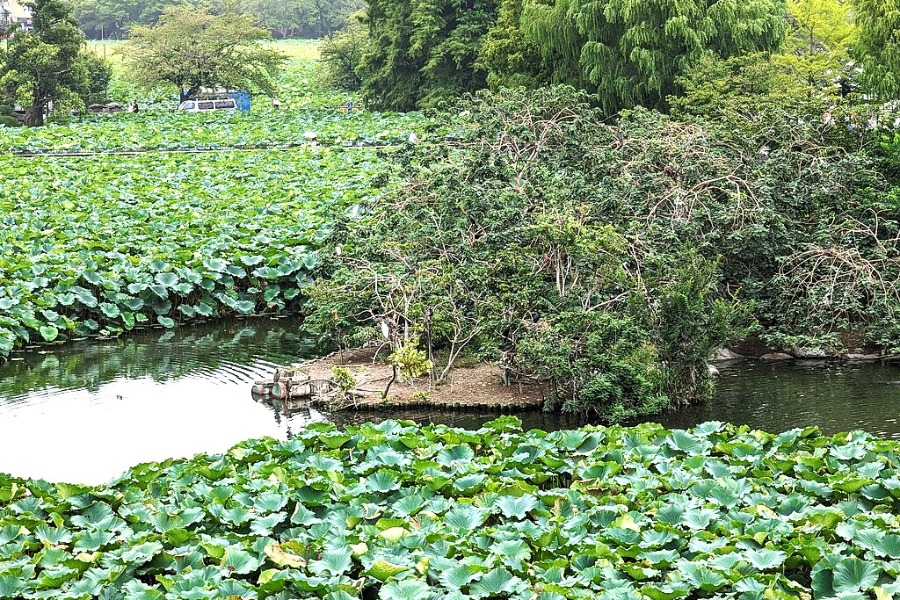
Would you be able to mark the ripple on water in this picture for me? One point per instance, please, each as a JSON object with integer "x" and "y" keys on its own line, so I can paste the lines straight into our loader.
{"x": 87, "y": 411}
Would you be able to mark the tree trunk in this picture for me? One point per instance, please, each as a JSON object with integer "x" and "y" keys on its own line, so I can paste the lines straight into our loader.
{"x": 394, "y": 374}
{"x": 34, "y": 116}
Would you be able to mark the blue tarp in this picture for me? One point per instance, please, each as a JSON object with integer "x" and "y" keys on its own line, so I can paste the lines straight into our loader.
{"x": 242, "y": 99}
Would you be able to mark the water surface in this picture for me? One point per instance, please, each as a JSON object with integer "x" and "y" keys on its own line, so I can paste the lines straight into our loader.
{"x": 87, "y": 411}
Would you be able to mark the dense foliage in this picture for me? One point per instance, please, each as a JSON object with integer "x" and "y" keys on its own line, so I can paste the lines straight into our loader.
{"x": 421, "y": 54}
{"x": 877, "y": 46}
{"x": 219, "y": 131}
{"x": 105, "y": 244}
{"x": 631, "y": 53}
{"x": 599, "y": 259}
{"x": 311, "y": 19}
{"x": 510, "y": 245}
{"x": 50, "y": 65}
{"x": 392, "y": 511}
{"x": 111, "y": 19}
{"x": 341, "y": 57}
{"x": 193, "y": 49}
{"x": 627, "y": 54}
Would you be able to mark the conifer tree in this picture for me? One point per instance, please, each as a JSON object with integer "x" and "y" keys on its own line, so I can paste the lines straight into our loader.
{"x": 423, "y": 53}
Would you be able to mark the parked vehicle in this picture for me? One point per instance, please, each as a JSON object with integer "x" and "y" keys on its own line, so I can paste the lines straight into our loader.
{"x": 205, "y": 105}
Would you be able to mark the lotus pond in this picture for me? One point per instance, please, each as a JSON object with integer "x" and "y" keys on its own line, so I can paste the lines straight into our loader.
{"x": 395, "y": 511}
{"x": 165, "y": 130}
{"x": 99, "y": 245}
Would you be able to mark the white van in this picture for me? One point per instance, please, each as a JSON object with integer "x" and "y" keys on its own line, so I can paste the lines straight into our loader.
{"x": 205, "y": 105}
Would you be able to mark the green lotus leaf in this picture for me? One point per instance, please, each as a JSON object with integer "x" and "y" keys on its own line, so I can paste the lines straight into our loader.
{"x": 333, "y": 562}
{"x": 48, "y": 332}
{"x": 382, "y": 482}
{"x": 493, "y": 583}
{"x": 407, "y": 589}
{"x": 215, "y": 264}
{"x": 245, "y": 307}
{"x": 110, "y": 310}
{"x": 133, "y": 304}
{"x": 251, "y": 261}
{"x": 271, "y": 293}
{"x": 236, "y": 271}
{"x": 765, "y": 559}
{"x": 11, "y": 586}
{"x": 160, "y": 291}
{"x": 853, "y": 574}
{"x": 50, "y": 315}
{"x": 204, "y": 309}
{"x": 469, "y": 483}
{"x": 167, "y": 280}
{"x": 516, "y": 508}
{"x": 267, "y": 273}
{"x": 93, "y": 277}
{"x": 701, "y": 577}
{"x": 239, "y": 561}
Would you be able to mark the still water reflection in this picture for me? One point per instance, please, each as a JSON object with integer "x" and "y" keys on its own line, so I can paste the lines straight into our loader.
{"x": 87, "y": 411}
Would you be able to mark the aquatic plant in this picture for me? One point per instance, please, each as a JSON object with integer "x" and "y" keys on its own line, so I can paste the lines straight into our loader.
{"x": 103, "y": 245}
{"x": 395, "y": 511}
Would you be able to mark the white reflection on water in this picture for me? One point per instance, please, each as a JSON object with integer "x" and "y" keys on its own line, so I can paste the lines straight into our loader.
{"x": 90, "y": 437}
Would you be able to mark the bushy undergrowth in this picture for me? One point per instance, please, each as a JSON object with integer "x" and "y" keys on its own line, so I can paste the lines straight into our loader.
{"x": 509, "y": 244}
{"x": 394, "y": 511}
{"x": 545, "y": 220}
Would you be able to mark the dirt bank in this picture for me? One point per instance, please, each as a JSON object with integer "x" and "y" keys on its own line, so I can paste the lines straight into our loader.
{"x": 478, "y": 386}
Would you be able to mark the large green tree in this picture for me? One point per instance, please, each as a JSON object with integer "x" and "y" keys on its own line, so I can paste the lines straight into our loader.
{"x": 631, "y": 52}
{"x": 817, "y": 48}
{"x": 192, "y": 48}
{"x": 878, "y": 46}
{"x": 50, "y": 65}
{"x": 103, "y": 19}
{"x": 301, "y": 18}
{"x": 423, "y": 53}
{"x": 341, "y": 54}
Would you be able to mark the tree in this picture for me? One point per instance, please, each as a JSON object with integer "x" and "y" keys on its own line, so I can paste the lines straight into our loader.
{"x": 285, "y": 18}
{"x": 104, "y": 19}
{"x": 193, "y": 48}
{"x": 341, "y": 55}
{"x": 51, "y": 65}
{"x": 510, "y": 59}
{"x": 877, "y": 46}
{"x": 421, "y": 54}
{"x": 631, "y": 53}
{"x": 817, "y": 49}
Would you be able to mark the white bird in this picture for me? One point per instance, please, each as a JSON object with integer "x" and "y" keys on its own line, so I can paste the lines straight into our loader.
{"x": 385, "y": 330}
{"x": 413, "y": 138}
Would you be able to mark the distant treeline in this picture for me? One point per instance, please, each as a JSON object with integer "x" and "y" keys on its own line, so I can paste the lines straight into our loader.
{"x": 110, "y": 19}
